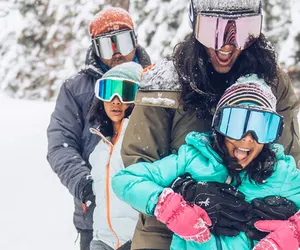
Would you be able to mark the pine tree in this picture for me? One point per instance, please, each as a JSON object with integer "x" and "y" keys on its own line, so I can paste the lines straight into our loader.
{"x": 51, "y": 45}
{"x": 42, "y": 43}
{"x": 161, "y": 24}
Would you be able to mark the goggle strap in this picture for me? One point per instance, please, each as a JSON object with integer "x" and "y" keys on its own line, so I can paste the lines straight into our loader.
{"x": 244, "y": 129}
{"x": 96, "y": 47}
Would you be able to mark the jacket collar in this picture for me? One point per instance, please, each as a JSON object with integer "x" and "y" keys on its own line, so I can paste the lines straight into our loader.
{"x": 203, "y": 142}
{"x": 96, "y": 130}
{"x": 92, "y": 66}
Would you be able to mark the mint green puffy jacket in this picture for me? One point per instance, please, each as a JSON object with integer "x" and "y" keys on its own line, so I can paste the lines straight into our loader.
{"x": 140, "y": 184}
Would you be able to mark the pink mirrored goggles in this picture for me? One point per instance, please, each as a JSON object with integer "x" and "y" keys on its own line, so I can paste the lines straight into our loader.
{"x": 216, "y": 32}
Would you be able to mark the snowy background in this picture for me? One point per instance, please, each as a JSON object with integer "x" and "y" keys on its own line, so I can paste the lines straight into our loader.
{"x": 41, "y": 44}
{"x": 35, "y": 208}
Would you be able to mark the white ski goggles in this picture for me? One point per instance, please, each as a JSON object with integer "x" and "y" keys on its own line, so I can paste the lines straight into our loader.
{"x": 123, "y": 42}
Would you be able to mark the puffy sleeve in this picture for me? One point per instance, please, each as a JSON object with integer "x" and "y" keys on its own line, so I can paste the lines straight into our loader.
{"x": 140, "y": 184}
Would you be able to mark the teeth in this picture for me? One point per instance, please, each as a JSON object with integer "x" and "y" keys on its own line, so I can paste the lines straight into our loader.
{"x": 224, "y": 52}
{"x": 244, "y": 149}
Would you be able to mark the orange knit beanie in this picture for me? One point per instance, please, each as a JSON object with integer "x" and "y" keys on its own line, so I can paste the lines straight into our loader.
{"x": 110, "y": 19}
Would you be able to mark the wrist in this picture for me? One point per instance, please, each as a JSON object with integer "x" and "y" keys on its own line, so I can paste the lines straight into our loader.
{"x": 163, "y": 202}
{"x": 85, "y": 187}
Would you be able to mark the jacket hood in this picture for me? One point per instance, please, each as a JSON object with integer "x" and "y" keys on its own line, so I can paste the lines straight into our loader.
{"x": 91, "y": 65}
{"x": 203, "y": 142}
{"x": 161, "y": 77}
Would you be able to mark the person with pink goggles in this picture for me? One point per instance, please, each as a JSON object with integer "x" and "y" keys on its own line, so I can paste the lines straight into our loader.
{"x": 179, "y": 95}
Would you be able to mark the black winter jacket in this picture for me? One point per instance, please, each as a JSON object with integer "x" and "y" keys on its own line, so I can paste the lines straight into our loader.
{"x": 69, "y": 139}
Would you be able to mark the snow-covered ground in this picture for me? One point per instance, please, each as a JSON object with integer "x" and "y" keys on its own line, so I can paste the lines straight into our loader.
{"x": 35, "y": 208}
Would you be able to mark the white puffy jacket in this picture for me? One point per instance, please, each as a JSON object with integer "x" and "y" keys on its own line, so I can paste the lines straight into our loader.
{"x": 114, "y": 220}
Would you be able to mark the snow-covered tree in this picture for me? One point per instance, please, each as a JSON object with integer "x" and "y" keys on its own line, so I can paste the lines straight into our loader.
{"x": 161, "y": 24}
{"x": 47, "y": 42}
{"x": 44, "y": 42}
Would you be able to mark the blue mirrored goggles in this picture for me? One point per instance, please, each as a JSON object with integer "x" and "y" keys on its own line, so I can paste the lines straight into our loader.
{"x": 236, "y": 122}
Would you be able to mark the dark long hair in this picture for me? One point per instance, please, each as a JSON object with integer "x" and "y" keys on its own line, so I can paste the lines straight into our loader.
{"x": 97, "y": 115}
{"x": 258, "y": 170}
{"x": 192, "y": 64}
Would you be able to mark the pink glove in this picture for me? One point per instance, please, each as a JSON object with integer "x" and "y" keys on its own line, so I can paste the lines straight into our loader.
{"x": 190, "y": 223}
{"x": 285, "y": 234}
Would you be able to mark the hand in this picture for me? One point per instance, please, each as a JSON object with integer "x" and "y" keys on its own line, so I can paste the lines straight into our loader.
{"x": 269, "y": 208}
{"x": 86, "y": 195}
{"x": 188, "y": 222}
{"x": 224, "y": 204}
{"x": 285, "y": 235}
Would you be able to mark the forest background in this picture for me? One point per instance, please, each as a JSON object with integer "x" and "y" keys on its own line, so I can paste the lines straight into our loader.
{"x": 44, "y": 42}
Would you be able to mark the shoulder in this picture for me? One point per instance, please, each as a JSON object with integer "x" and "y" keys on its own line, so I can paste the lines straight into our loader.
{"x": 160, "y": 86}
{"x": 281, "y": 157}
{"x": 284, "y": 87}
{"x": 283, "y": 77}
{"x": 285, "y": 164}
{"x": 196, "y": 143}
{"x": 161, "y": 77}
{"x": 80, "y": 83}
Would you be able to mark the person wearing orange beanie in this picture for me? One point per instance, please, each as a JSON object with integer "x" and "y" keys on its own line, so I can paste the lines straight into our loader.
{"x": 113, "y": 42}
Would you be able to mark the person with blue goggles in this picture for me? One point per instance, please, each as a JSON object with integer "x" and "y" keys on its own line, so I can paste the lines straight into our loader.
{"x": 241, "y": 152}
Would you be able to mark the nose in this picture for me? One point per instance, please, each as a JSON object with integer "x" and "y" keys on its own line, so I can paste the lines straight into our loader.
{"x": 248, "y": 137}
{"x": 116, "y": 101}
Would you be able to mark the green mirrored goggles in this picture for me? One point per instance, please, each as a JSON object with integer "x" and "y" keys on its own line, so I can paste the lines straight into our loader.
{"x": 107, "y": 88}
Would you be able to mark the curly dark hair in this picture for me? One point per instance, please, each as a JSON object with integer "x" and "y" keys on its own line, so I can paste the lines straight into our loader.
{"x": 261, "y": 168}
{"x": 97, "y": 115}
{"x": 192, "y": 64}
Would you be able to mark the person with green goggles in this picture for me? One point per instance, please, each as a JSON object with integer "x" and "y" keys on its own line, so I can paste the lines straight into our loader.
{"x": 115, "y": 93}
{"x": 239, "y": 152}
{"x": 113, "y": 41}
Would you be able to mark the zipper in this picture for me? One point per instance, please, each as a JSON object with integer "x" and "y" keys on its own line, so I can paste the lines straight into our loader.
{"x": 107, "y": 183}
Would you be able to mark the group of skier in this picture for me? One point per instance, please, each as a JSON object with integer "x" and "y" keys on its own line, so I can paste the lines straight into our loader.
{"x": 197, "y": 151}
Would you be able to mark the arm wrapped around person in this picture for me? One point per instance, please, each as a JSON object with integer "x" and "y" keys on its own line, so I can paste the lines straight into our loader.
{"x": 189, "y": 222}
{"x": 224, "y": 204}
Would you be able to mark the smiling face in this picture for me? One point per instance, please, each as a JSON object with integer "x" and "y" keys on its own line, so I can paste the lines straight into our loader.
{"x": 115, "y": 110}
{"x": 223, "y": 59}
{"x": 244, "y": 150}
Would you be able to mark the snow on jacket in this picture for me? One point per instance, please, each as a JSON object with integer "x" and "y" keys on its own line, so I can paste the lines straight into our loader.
{"x": 198, "y": 158}
{"x": 169, "y": 124}
{"x": 114, "y": 220}
{"x": 69, "y": 138}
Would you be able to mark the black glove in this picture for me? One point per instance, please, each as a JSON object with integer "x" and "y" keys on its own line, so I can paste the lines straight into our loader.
{"x": 225, "y": 205}
{"x": 87, "y": 196}
{"x": 269, "y": 208}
